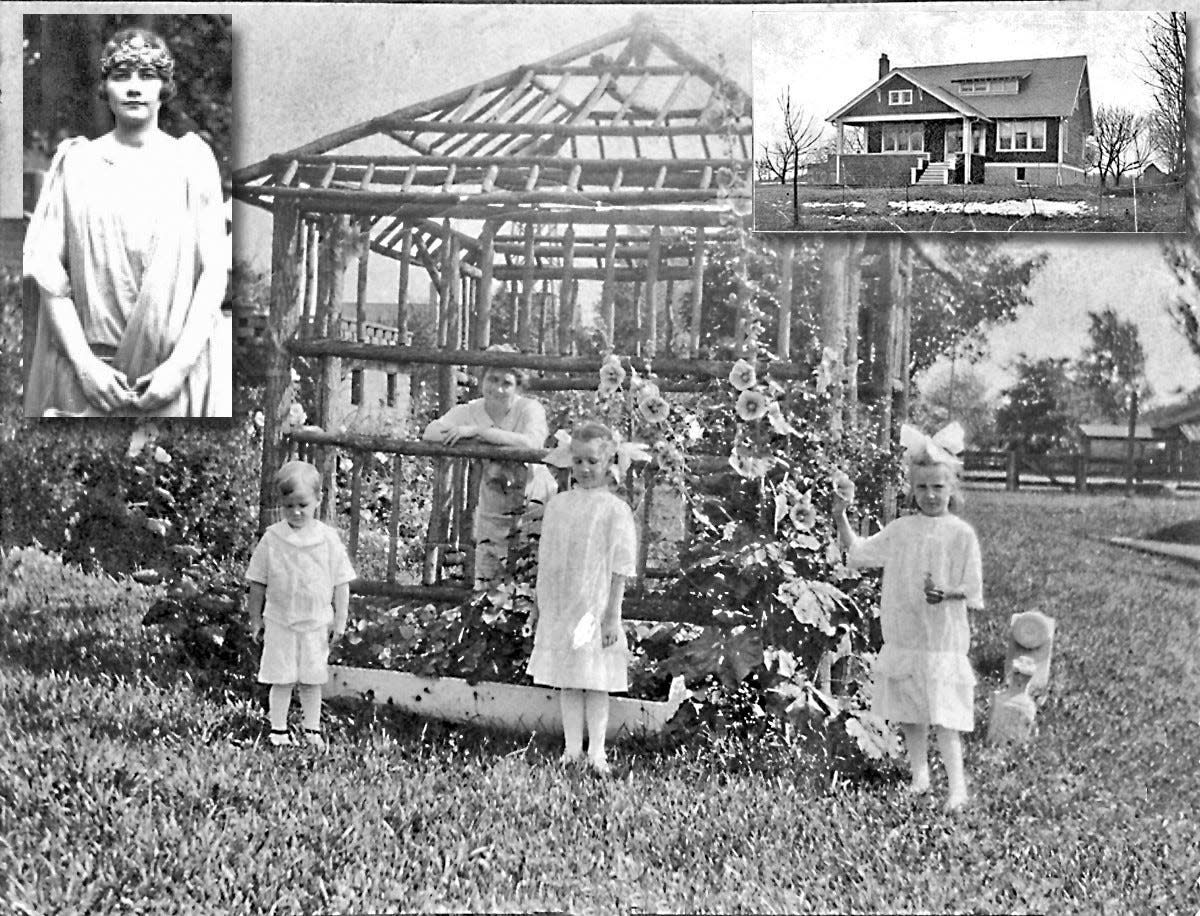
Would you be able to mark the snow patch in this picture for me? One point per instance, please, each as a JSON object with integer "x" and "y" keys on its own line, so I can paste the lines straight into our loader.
{"x": 1025, "y": 207}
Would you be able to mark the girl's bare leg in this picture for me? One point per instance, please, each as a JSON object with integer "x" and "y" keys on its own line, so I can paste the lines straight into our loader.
{"x": 597, "y": 726}
{"x": 950, "y": 745}
{"x": 916, "y": 741}
{"x": 572, "y": 715}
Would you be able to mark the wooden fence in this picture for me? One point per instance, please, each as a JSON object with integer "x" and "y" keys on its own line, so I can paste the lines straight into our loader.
{"x": 1077, "y": 472}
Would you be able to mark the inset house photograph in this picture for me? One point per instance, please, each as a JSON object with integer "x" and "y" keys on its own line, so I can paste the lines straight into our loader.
{"x": 127, "y": 135}
{"x": 921, "y": 120}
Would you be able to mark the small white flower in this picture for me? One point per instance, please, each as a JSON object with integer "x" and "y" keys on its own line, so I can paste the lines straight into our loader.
{"x": 259, "y": 419}
{"x": 161, "y": 455}
{"x": 296, "y": 415}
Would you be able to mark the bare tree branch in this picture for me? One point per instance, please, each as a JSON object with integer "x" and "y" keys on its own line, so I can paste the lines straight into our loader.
{"x": 1122, "y": 142}
{"x": 1165, "y": 56}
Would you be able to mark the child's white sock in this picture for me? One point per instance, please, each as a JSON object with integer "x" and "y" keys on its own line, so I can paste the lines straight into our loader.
{"x": 916, "y": 740}
{"x": 277, "y": 706}
{"x": 310, "y": 705}
{"x": 572, "y": 715}
{"x": 950, "y": 745}
{"x": 596, "y": 702}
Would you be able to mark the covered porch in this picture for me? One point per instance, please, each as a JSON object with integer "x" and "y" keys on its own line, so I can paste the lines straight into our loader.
{"x": 928, "y": 149}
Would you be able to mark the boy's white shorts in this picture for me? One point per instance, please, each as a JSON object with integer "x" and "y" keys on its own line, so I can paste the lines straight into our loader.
{"x": 293, "y": 657}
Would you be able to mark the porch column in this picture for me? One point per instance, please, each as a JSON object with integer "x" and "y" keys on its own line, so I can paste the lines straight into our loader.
{"x": 837, "y": 159}
{"x": 968, "y": 142}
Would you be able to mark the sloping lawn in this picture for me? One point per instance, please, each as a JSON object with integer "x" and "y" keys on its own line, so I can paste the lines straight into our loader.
{"x": 958, "y": 208}
{"x": 129, "y": 785}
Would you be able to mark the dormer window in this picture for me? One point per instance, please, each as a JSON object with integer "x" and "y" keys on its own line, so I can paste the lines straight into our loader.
{"x": 1008, "y": 85}
{"x": 899, "y": 96}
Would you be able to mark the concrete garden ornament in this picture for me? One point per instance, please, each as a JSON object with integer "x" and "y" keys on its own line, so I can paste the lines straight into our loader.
{"x": 1027, "y": 672}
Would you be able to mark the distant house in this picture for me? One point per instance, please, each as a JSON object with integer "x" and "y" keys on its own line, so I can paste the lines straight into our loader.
{"x": 1108, "y": 441}
{"x": 1153, "y": 175}
{"x": 994, "y": 122}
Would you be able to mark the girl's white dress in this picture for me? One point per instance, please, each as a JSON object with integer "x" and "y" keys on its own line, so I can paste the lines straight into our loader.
{"x": 502, "y": 489}
{"x": 588, "y": 535}
{"x": 122, "y": 236}
{"x": 922, "y": 674}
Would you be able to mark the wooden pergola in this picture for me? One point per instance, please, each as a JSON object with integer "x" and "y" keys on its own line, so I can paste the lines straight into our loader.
{"x": 613, "y": 162}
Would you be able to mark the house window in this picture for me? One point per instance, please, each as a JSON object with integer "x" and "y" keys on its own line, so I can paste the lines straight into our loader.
{"x": 989, "y": 87}
{"x": 903, "y": 138}
{"x": 1020, "y": 173}
{"x": 1021, "y": 136}
{"x": 899, "y": 96}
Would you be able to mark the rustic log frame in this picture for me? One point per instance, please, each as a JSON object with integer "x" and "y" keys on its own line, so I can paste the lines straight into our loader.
{"x": 470, "y": 159}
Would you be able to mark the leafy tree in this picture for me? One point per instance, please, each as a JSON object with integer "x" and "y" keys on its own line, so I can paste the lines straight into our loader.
{"x": 1166, "y": 58}
{"x": 958, "y": 393}
{"x": 1112, "y": 365}
{"x": 955, "y": 307}
{"x": 1036, "y": 413}
{"x": 1122, "y": 142}
{"x": 1184, "y": 259}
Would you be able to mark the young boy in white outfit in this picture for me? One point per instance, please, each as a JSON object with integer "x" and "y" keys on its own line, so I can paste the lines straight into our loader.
{"x": 300, "y": 574}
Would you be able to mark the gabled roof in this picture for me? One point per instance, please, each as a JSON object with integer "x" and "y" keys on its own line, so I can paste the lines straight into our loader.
{"x": 1116, "y": 431}
{"x": 939, "y": 93}
{"x": 1049, "y": 86}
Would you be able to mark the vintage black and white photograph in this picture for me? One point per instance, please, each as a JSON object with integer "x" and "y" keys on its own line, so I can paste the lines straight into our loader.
{"x": 127, "y": 118}
{"x": 913, "y": 118}
{"x": 572, "y": 546}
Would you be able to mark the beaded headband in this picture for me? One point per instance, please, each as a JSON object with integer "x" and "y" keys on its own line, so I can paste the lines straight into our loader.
{"x": 134, "y": 53}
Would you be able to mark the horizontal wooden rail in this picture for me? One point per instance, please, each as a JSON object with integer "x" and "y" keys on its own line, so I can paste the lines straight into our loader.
{"x": 392, "y": 445}
{"x": 410, "y": 355}
{"x": 566, "y": 163}
{"x": 480, "y": 198}
{"x": 604, "y": 129}
{"x": 636, "y": 606}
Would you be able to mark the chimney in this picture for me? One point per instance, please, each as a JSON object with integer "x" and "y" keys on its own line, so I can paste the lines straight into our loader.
{"x": 885, "y": 66}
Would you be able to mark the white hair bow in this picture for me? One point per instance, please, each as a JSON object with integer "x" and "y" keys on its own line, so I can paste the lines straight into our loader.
{"x": 627, "y": 452}
{"x": 943, "y": 447}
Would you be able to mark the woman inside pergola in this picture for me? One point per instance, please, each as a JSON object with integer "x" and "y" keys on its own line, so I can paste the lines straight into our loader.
{"x": 502, "y": 416}
{"x": 127, "y": 245}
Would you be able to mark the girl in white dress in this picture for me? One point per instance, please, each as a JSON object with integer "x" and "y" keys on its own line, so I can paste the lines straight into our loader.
{"x": 127, "y": 245}
{"x": 587, "y": 551}
{"x": 932, "y": 576}
{"x": 503, "y": 416}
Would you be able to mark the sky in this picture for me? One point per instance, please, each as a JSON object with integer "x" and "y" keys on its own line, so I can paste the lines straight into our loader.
{"x": 306, "y": 70}
{"x": 828, "y": 56}
{"x": 1127, "y": 274}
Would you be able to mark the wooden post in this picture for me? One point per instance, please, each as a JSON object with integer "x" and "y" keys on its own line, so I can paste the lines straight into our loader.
{"x": 852, "y": 320}
{"x": 357, "y": 392}
{"x": 783, "y": 334}
{"x": 609, "y": 290}
{"x": 282, "y": 317}
{"x": 1012, "y": 475}
{"x": 525, "y": 314}
{"x": 698, "y": 256}
{"x": 652, "y": 291}
{"x": 311, "y": 250}
{"x": 835, "y": 251}
{"x": 904, "y": 330}
{"x": 402, "y": 287}
{"x": 333, "y": 262}
{"x": 483, "y": 300}
{"x": 567, "y": 318}
{"x": 1131, "y": 443}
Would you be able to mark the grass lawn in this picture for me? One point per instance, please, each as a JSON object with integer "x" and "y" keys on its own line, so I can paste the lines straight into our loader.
{"x": 957, "y": 208}
{"x": 129, "y": 785}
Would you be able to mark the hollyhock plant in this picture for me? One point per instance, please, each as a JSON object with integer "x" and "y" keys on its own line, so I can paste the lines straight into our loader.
{"x": 742, "y": 375}
{"x": 751, "y": 405}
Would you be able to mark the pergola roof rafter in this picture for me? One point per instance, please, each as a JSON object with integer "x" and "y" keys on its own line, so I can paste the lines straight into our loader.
{"x": 617, "y": 130}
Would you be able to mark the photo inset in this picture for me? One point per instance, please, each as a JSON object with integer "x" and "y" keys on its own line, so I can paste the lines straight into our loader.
{"x": 127, "y": 135}
{"x": 993, "y": 120}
